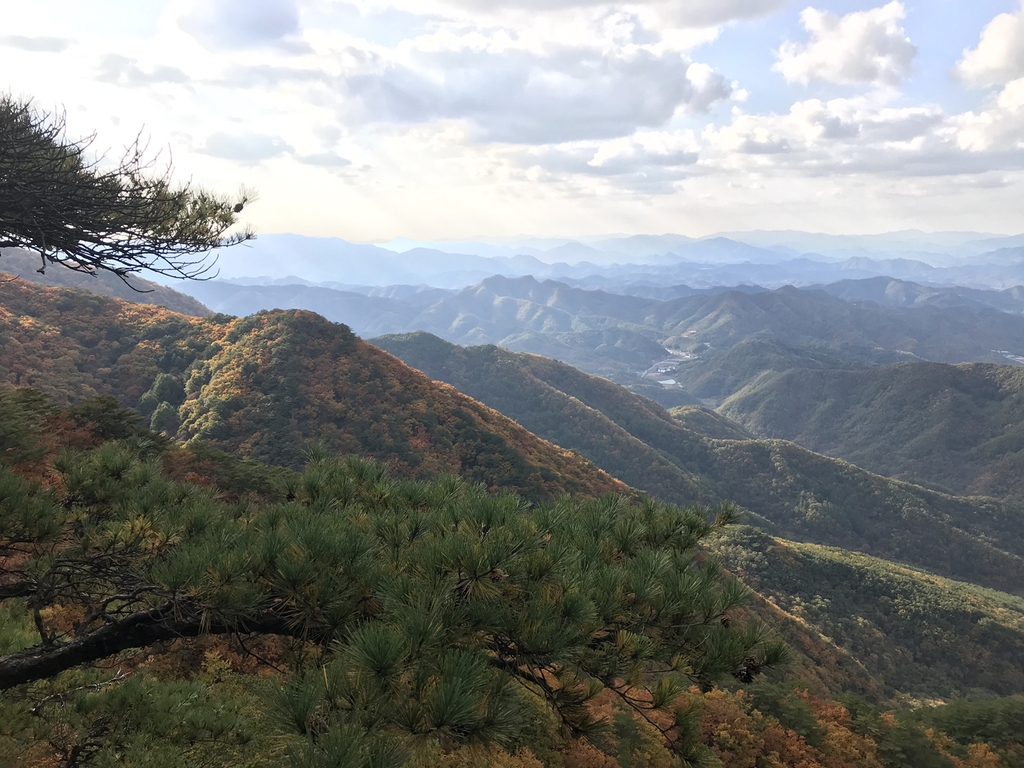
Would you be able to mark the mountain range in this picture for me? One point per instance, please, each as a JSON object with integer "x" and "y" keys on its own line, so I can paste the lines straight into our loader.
{"x": 625, "y": 264}
{"x": 834, "y": 538}
{"x": 622, "y": 336}
{"x": 790, "y": 490}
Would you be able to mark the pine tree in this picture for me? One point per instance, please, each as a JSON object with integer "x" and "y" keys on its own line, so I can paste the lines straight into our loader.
{"x": 431, "y": 604}
{"x": 58, "y": 202}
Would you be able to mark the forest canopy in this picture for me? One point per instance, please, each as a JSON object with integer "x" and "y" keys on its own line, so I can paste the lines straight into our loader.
{"x": 422, "y": 606}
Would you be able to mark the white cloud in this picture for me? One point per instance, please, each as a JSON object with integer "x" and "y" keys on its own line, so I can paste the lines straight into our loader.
{"x": 999, "y": 56}
{"x": 1000, "y": 127}
{"x": 863, "y": 136}
{"x": 700, "y": 13}
{"x": 861, "y": 47}
{"x": 649, "y": 162}
{"x": 120, "y": 70}
{"x": 249, "y": 148}
{"x": 686, "y": 13}
{"x": 523, "y": 97}
{"x": 328, "y": 159}
{"x": 240, "y": 24}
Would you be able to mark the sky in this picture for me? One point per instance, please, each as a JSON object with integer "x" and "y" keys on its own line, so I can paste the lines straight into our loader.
{"x": 459, "y": 119}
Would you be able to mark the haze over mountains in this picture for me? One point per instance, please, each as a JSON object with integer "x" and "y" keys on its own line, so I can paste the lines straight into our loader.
{"x": 617, "y": 306}
{"x": 623, "y": 264}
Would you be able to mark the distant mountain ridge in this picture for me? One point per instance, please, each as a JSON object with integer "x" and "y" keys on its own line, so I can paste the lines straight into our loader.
{"x": 958, "y": 427}
{"x": 262, "y": 387}
{"x": 904, "y": 293}
{"x": 792, "y": 491}
{"x": 619, "y": 335}
{"x": 619, "y": 263}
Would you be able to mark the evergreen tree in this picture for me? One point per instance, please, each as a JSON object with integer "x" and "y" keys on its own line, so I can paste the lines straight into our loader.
{"x": 57, "y": 202}
{"x": 430, "y": 602}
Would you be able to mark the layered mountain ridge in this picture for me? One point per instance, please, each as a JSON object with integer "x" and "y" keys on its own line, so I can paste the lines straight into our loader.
{"x": 264, "y": 386}
{"x": 792, "y": 491}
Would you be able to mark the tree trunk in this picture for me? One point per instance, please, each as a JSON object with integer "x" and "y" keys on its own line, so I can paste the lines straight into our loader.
{"x": 134, "y": 631}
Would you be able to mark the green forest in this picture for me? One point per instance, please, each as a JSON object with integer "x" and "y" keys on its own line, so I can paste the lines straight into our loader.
{"x": 697, "y": 456}
{"x": 263, "y": 541}
{"x": 173, "y": 605}
{"x": 963, "y": 433}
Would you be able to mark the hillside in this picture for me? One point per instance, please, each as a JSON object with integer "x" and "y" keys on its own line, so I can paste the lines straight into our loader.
{"x": 923, "y": 635}
{"x": 956, "y": 427}
{"x": 261, "y": 387}
{"x": 708, "y": 423}
{"x": 805, "y": 317}
{"x": 572, "y": 409}
{"x": 718, "y": 373}
{"x": 789, "y": 490}
{"x": 25, "y": 266}
{"x": 905, "y": 293}
{"x": 343, "y": 577}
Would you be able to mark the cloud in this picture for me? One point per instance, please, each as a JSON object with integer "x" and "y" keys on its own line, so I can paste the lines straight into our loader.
{"x": 268, "y": 76}
{"x": 120, "y": 70}
{"x": 714, "y": 12}
{"x": 999, "y": 56}
{"x": 644, "y": 150}
{"x": 240, "y": 24}
{"x": 36, "y": 44}
{"x": 865, "y": 136}
{"x": 860, "y": 47}
{"x": 254, "y": 148}
{"x": 524, "y": 97}
{"x": 689, "y": 13}
{"x": 618, "y": 157}
{"x": 1000, "y": 127}
{"x": 323, "y": 160}
{"x": 250, "y": 149}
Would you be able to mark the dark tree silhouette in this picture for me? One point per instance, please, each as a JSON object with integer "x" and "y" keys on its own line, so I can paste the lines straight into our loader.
{"x": 76, "y": 211}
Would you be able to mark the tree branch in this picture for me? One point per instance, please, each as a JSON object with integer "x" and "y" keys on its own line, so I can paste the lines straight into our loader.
{"x": 138, "y": 630}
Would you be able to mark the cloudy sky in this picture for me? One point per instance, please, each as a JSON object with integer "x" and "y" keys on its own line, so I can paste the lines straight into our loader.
{"x": 444, "y": 119}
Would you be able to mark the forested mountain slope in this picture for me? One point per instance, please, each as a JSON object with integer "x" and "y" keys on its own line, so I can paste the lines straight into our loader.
{"x": 922, "y": 635}
{"x": 905, "y": 293}
{"x": 805, "y": 317}
{"x": 500, "y": 307}
{"x": 957, "y": 427}
{"x": 718, "y": 373}
{"x": 304, "y": 597}
{"x": 263, "y": 386}
{"x": 25, "y": 266}
{"x": 790, "y": 490}
{"x": 619, "y": 335}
